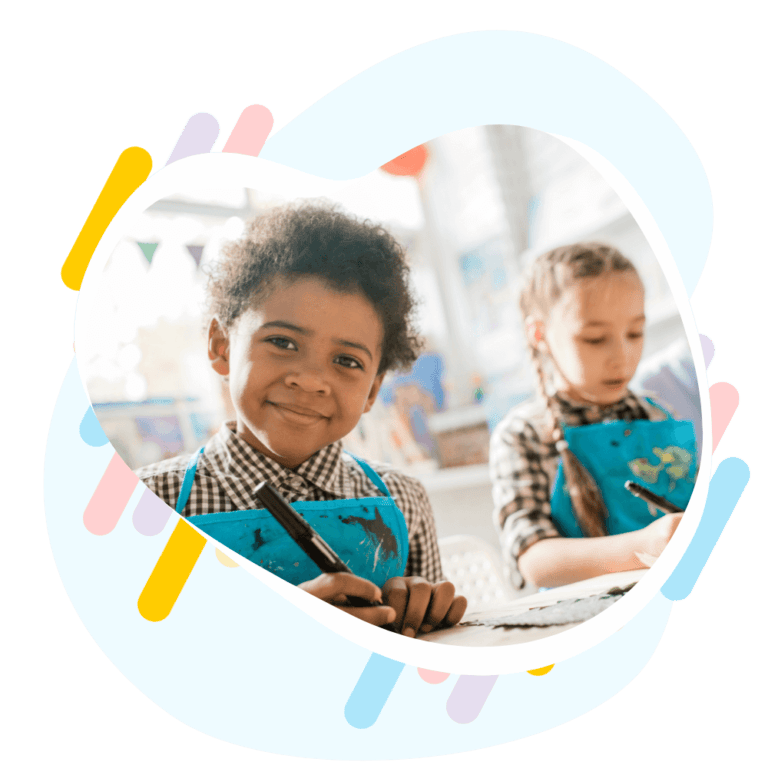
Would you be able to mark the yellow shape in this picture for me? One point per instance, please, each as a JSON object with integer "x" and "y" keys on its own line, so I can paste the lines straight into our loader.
{"x": 541, "y": 670}
{"x": 224, "y": 560}
{"x": 667, "y": 458}
{"x": 130, "y": 172}
{"x": 171, "y": 572}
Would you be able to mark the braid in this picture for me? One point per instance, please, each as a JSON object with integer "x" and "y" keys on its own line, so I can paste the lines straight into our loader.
{"x": 586, "y": 499}
{"x": 550, "y": 274}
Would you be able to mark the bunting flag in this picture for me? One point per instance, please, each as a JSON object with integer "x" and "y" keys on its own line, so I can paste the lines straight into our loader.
{"x": 196, "y": 252}
{"x": 148, "y": 249}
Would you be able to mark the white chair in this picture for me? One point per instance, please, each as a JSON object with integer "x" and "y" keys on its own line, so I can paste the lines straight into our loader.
{"x": 476, "y": 570}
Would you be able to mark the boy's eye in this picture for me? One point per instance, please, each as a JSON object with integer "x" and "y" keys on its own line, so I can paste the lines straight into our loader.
{"x": 637, "y": 335}
{"x": 594, "y": 341}
{"x": 282, "y": 342}
{"x": 348, "y": 362}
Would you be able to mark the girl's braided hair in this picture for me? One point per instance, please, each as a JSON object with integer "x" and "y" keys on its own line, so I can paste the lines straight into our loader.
{"x": 315, "y": 239}
{"x": 549, "y": 275}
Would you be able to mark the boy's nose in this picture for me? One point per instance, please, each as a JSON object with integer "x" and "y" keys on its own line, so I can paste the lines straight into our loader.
{"x": 309, "y": 379}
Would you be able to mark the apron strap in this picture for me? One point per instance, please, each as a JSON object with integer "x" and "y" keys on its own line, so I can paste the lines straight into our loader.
{"x": 659, "y": 407}
{"x": 372, "y": 476}
{"x": 189, "y": 478}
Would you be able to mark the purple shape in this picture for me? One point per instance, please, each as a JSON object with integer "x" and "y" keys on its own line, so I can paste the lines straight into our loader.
{"x": 468, "y": 697}
{"x": 709, "y": 349}
{"x": 197, "y": 138}
{"x": 151, "y": 514}
{"x": 196, "y": 252}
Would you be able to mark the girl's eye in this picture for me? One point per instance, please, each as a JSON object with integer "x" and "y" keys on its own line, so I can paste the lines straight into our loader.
{"x": 281, "y": 342}
{"x": 594, "y": 341}
{"x": 637, "y": 335}
{"x": 348, "y": 362}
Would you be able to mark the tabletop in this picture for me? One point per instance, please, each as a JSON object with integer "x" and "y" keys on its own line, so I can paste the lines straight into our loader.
{"x": 488, "y": 633}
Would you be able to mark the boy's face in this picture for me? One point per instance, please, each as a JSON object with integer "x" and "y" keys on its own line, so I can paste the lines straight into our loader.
{"x": 302, "y": 367}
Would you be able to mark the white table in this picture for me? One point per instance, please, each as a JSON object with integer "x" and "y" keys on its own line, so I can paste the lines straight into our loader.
{"x": 484, "y": 636}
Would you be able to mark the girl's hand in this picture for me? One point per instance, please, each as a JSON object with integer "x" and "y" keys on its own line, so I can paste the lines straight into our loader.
{"x": 421, "y": 606}
{"x": 655, "y": 537}
{"x": 334, "y": 588}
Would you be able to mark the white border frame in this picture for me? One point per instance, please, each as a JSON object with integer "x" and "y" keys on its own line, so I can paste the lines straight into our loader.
{"x": 203, "y": 171}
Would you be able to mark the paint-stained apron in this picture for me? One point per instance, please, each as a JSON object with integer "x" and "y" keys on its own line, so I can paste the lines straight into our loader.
{"x": 369, "y": 535}
{"x": 660, "y": 455}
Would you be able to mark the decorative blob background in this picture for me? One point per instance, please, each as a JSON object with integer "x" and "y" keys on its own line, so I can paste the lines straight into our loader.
{"x": 159, "y": 583}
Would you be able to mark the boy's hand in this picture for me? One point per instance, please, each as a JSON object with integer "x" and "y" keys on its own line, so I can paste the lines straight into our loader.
{"x": 334, "y": 588}
{"x": 421, "y": 606}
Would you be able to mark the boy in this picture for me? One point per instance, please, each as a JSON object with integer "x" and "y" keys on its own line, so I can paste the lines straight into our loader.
{"x": 308, "y": 312}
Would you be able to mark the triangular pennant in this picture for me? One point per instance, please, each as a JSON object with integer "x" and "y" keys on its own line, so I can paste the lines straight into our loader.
{"x": 196, "y": 252}
{"x": 148, "y": 249}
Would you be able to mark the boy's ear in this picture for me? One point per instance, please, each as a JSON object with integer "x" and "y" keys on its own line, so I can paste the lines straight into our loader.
{"x": 373, "y": 394}
{"x": 534, "y": 333}
{"x": 218, "y": 348}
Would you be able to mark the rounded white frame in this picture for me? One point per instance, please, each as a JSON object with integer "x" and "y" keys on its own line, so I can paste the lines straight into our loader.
{"x": 245, "y": 171}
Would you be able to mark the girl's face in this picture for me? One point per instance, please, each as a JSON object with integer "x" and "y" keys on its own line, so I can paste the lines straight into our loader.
{"x": 594, "y": 334}
{"x": 302, "y": 366}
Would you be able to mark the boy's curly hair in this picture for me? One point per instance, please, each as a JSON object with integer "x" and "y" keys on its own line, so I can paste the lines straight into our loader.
{"x": 317, "y": 240}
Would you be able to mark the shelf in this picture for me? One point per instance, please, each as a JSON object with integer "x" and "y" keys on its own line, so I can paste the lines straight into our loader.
{"x": 455, "y": 478}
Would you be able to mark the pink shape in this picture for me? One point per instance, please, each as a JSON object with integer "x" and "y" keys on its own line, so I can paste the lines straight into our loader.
{"x": 250, "y": 133}
{"x": 725, "y": 400}
{"x": 468, "y": 697}
{"x": 151, "y": 514}
{"x": 109, "y": 498}
{"x": 197, "y": 138}
{"x": 433, "y": 678}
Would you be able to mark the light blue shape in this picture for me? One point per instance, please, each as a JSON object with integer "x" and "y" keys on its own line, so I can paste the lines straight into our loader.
{"x": 91, "y": 431}
{"x": 370, "y": 694}
{"x": 725, "y": 489}
{"x": 504, "y": 77}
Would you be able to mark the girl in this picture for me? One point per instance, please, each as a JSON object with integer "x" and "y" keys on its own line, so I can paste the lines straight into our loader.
{"x": 559, "y": 464}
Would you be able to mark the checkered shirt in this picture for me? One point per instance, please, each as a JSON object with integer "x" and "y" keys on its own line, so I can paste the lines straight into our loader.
{"x": 524, "y": 467}
{"x": 230, "y": 469}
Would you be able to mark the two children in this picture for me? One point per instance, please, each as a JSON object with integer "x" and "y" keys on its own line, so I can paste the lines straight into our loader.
{"x": 559, "y": 464}
{"x": 309, "y": 310}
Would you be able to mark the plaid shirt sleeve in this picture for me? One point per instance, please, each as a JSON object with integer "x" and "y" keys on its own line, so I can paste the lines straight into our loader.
{"x": 412, "y": 500}
{"x": 164, "y": 479}
{"x": 521, "y": 491}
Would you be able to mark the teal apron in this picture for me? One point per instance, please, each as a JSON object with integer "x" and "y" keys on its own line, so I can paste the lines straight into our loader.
{"x": 369, "y": 535}
{"x": 660, "y": 455}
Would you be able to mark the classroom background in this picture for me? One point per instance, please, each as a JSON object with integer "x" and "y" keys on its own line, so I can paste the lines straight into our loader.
{"x": 472, "y": 209}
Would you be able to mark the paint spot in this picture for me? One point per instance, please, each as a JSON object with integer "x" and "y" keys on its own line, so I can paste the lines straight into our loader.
{"x": 171, "y": 572}
{"x": 541, "y": 670}
{"x": 151, "y": 514}
{"x": 250, "y": 133}
{"x": 258, "y": 540}
{"x": 709, "y": 349}
{"x": 433, "y": 678}
{"x": 725, "y": 400}
{"x": 725, "y": 489}
{"x": 376, "y": 530}
{"x": 130, "y": 172}
{"x": 197, "y": 138}
{"x": 372, "y": 690}
{"x": 224, "y": 560}
{"x": 469, "y": 696}
{"x": 91, "y": 431}
{"x": 109, "y": 498}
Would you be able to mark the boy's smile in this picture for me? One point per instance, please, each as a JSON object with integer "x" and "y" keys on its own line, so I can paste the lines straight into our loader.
{"x": 302, "y": 366}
